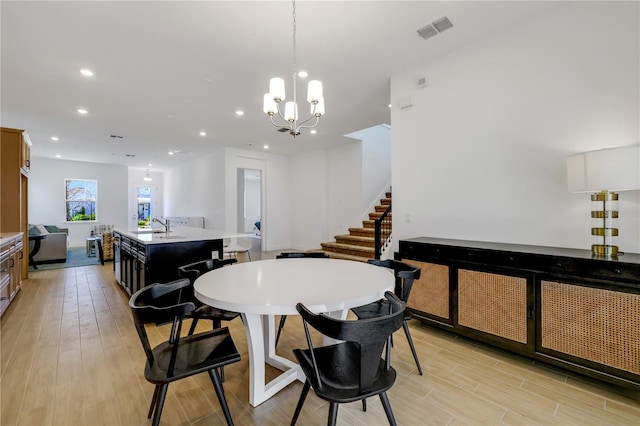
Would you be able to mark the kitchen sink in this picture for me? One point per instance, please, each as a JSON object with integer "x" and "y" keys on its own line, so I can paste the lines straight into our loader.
{"x": 170, "y": 237}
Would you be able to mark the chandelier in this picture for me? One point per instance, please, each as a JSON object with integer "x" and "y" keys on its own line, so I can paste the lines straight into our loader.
{"x": 272, "y": 100}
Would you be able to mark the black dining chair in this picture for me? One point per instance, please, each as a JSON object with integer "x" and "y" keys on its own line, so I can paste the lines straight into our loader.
{"x": 405, "y": 275}
{"x": 353, "y": 369}
{"x": 178, "y": 357}
{"x": 296, "y": 255}
{"x": 204, "y": 311}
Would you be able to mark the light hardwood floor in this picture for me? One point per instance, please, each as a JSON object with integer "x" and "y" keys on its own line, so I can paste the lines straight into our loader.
{"x": 70, "y": 356}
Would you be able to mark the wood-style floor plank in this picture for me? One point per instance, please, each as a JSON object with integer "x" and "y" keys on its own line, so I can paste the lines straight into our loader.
{"x": 71, "y": 356}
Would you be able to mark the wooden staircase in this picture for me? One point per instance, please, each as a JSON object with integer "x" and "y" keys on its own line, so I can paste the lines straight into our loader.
{"x": 359, "y": 244}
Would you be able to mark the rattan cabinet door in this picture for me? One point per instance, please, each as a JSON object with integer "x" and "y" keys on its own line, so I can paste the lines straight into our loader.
{"x": 493, "y": 303}
{"x": 589, "y": 323}
{"x": 430, "y": 294}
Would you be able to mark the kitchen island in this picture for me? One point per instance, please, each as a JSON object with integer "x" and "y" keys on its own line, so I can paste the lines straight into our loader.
{"x": 144, "y": 257}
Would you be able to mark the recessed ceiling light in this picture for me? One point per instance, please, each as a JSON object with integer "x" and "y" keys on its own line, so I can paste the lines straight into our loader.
{"x": 203, "y": 133}
{"x": 313, "y": 132}
{"x": 86, "y": 72}
{"x": 83, "y": 111}
{"x": 266, "y": 147}
{"x": 239, "y": 112}
{"x": 303, "y": 74}
{"x": 170, "y": 152}
{"x": 150, "y": 165}
{"x": 58, "y": 156}
{"x": 389, "y": 105}
{"x": 55, "y": 138}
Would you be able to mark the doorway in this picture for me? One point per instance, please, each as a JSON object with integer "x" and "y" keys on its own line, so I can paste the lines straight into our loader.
{"x": 249, "y": 201}
{"x": 143, "y": 206}
{"x": 249, "y": 209}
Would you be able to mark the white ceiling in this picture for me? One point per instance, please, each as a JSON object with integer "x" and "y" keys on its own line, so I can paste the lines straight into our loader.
{"x": 165, "y": 70}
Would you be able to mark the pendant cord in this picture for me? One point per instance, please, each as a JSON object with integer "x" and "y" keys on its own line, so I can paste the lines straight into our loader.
{"x": 295, "y": 71}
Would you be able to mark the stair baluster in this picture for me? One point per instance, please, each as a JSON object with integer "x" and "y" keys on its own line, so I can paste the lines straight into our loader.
{"x": 382, "y": 231}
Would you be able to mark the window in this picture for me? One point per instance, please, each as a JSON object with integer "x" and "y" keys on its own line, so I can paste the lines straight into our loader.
{"x": 81, "y": 198}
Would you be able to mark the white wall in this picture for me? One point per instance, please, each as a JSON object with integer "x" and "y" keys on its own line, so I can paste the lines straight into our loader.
{"x": 47, "y": 194}
{"x": 482, "y": 154}
{"x": 376, "y": 163}
{"x": 344, "y": 198}
{"x": 309, "y": 200}
{"x": 196, "y": 188}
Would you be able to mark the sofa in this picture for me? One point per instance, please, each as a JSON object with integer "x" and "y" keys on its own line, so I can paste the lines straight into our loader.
{"x": 53, "y": 247}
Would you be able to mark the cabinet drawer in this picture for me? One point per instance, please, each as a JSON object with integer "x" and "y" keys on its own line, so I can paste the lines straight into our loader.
{"x": 5, "y": 296}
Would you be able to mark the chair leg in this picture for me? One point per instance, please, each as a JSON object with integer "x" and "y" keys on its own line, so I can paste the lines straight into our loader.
{"x": 364, "y": 404}
{"x": 283, "y": 318}
{"x": 413, "y": 348}
{"x": 387, "y": 408}
{"x": 153, "y": 401}
{"x": 217, "y": 385}
{"x": 333, "y": 413}
{"x": 303, "y": 396}
{"x": 160, "y": 404}
{"x": 194, "y": 322}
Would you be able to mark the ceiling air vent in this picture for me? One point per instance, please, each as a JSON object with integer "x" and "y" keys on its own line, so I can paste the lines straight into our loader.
{"x": 118, "y": 137}
{"x": 442, "y": 24}
{"x": 130, "y": 155}
{"x": 435, "y": 28}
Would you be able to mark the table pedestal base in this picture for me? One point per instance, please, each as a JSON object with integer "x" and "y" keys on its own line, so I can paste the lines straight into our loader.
{"x": 261, "y": 328}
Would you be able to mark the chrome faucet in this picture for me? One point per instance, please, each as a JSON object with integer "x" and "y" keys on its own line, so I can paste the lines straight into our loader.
{"x": 166, "y": 224}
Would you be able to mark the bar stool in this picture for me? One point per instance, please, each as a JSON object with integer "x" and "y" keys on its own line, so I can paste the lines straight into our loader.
{"x": 92, "y": 246}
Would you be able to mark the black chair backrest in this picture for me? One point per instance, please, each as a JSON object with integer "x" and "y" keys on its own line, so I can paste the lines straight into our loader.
{"x": 370, "y": 335}
{"x": 405, "y": 275}
{"x": 194, "y": 270}
{"x": 160, "y": 303}
{"x": 313, "y": 254}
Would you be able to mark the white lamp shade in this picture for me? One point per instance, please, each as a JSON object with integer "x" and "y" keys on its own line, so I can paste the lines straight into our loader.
{"x": 611, "y": 169}
{"x": 269, "y": 106}
{"x": 276, "y": 88}
{"x": 290, "y": 111}
{"x": 314, "y": 91}
{"x": 318, "y": 109}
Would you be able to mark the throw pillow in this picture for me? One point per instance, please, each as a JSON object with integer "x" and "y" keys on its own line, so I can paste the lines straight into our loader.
{"x": 42, "y": 229}
{"x": 52, "y": 229}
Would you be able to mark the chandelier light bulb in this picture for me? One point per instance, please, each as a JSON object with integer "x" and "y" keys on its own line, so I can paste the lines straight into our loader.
{"x": 314, "y": 91}
{"x": 290, "y": 111}
{"x": 317, "y": 109}
{"x": 276, "y": 88}
{"x": 269, "y": 107}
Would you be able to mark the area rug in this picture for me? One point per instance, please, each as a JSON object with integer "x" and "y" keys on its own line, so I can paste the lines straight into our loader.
{"x": 76, "y": 256}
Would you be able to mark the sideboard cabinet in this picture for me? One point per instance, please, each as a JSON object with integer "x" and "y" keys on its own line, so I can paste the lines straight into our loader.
{"x": 561, "y": 306}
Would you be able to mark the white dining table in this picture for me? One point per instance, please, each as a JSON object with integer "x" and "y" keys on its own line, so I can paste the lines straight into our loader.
{"x": 259, "y": 290}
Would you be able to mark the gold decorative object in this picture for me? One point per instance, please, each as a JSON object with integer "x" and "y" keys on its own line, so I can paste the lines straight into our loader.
{"x": 602, "y": 172}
